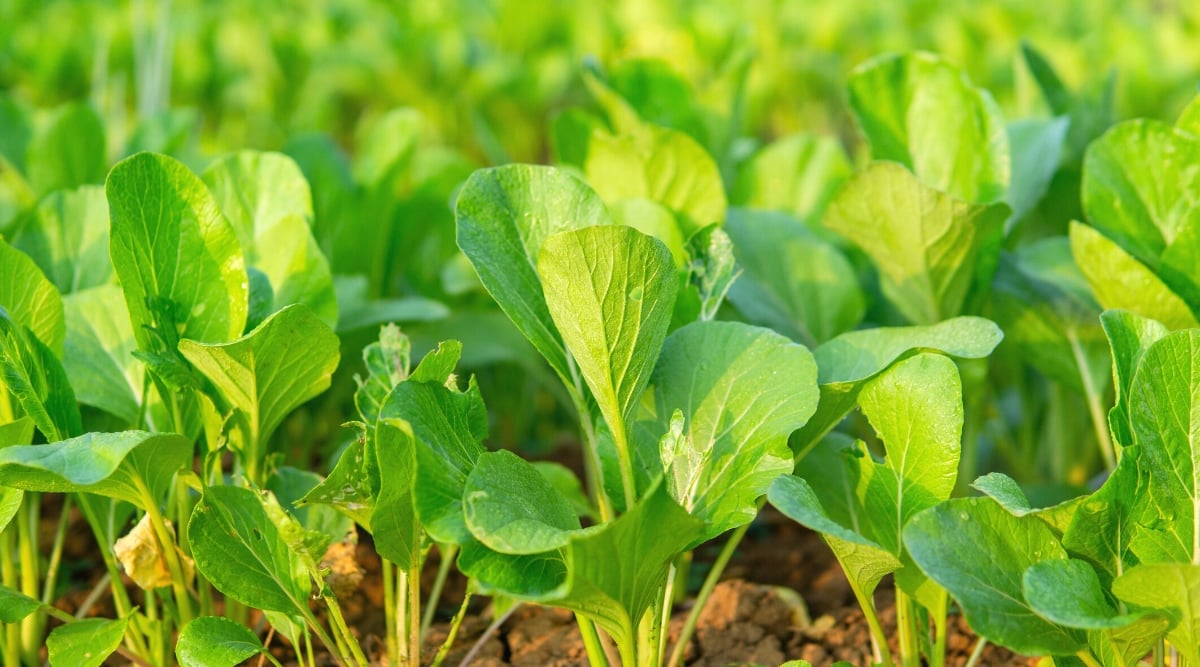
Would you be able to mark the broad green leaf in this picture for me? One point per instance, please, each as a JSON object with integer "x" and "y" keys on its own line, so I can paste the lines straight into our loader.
{"x": 98, "y": 354}
{"x": 242, "y": 552}
{"x": 19, "y": 432}
{"x": 438, "y": 365}
{"x": 799, "y": 175}
{"x": 916, "y": 409}
{"x": 504, "y": 215}
{"x": 170, "y": 243}
{"x": 1009, "y": 495}
{"x": 563, "y": 479}
{"x": 743, "y": 390}
{"x": 921, "y": 111}
{"x": 1049, "y": 317}
{"x": 68, "y": 151}
{"x": 610, "y": 291}
{"x": 115, "y": 465}
{"x": 511, "y": 508}
{"x": 268, "y": 203}
{"x": 1068, "y": 592}
{"x": 1103, "y": 525}
{"x": 929, "y": 247}
{"x": 1121, "y": 281}
{"x": 15, "y": 605}
{"x": 290, "y": 485}
{"x": 388, "y": 361}
{"x": 642, "y": 160}
{"x": 16, "y": 129}
{"x": 1129, "y": 336}
{"x": 327, "y": 170}
{"x": 979, "y": 552}
{"x": 85, "y": 643}
{"x": 213, "y": 641}
{"x": 1173, "y": 588}
{"x": 584, "y": 576}
{"x": 846, "y": 362}
{"x": 386, "y": 144}
{"x": 652, "y": 219}
{"x": 272, "y": 370}
{"x": 35, "y": 381}
{"x": 449, "y": 428}
{"x": 352, "y": 485}
{"x": 660, "y": 95}
{"x": 864, "y": 561}
{"x": 30, "y": 299}
{"x": 393, "y": 521}
{"x": 1140, "y": 185}
{"x": 793, "y": 281}
{"x": 357, "y": 311}
{"x": 1037, "y": 147}
{"x": 67, "y": 236}
{"x": 1164, "y": 410}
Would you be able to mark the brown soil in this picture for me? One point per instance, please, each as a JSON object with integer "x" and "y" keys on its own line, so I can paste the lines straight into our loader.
{"x": 784, "y": 597}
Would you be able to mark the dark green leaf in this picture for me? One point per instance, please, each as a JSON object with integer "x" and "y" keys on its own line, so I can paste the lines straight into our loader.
{"x": 213, "y": 641}
{"x": 86, "y": 643}
{"x": 511, "y": 508}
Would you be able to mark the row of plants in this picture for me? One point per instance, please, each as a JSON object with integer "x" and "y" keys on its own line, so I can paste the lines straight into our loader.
{"x": 831, "y": 343}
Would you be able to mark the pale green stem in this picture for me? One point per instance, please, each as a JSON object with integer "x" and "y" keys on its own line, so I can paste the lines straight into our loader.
{"x": 883, "y": 655}
{"x": 1099, "y": 421}
{"x": 449, "y": 551}
{"x": 910, "y": 651}
{"x": 133, "y": 636}
{"x": 8, "y": 574}
{"x": 710, "y": 583}
{"x": 389, "y": 611}
{"x": 938, "y": 659}
{"x": 453, "y": 633}
{"x": 591, "y": 460}
{"x": 1087, "y": 658}
{"x": 165, "y": 541}
{"x": 28, "y": 518}
{"x": 591, "y": 642}
{"x": 667, "y": 605}
{"x": 976, "y": 653}
{"x": 339, "y": 624}
{"x": 60, "y": 535}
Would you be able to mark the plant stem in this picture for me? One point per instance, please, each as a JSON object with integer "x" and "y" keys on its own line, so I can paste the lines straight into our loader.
{"x": 339, "y": 624}
{"x": 591, "y": 641}
{"x": 133, "y": 636}
{"x": 495, "y": 625}
{"x": 448, "y": 552}
{"x": 1099, "y": 421}
{"x": 28, "y": 518}
{"x": 389, "y": 611}
{"x": 710, "y": 583}
{"x": 667, "y": 604}
{"x": 594, "y": 467}
{"x": 938, "y": 659}
{"x": 910, "y": 651}
{"x": 976, "y": 652}
{"x": 883, "y": 655}
{"x": 1085, "y": 656}
{"x": 450, "y": 636}
{"x": 178, "y": 582}
{"x": 9, "y": 576}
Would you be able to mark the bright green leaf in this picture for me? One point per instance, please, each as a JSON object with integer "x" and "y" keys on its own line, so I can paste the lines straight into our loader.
{"x": 15, "y": 605}
{"x": 928, "y": 246}
{"x": 242, "y": 552}
{"x": 85, "y": 643}
{"x": 268, "y": 203}
{"x": 504, "y": 216}
{"x": 35, "y": 381}
{"x": 68, "y": 151}
{"x": 213, "y": 641}
{"x": 1037, "y": 146}
{"x": 799, "y": 175}
{"x": 67, "y": 236}
{"x": 115, "y": 465}
{"x": 1173, "y": 588}
{"x": 511, "y": 508}
{"x": 170, "y": 244}
{"x": 793, "y": 281}
{"x": 30, "y": 299}
{"x": 98, "y": 354}
{"x": 979, "y": 553}
{"x": 272, "y": 370}
{"x": 743, "y": 390}
{"x": 1121, "y": 281}
{"x": 610, "y": 291}
{"x": 923, "y": 112}
{"x": 1129, "y": 336}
